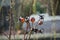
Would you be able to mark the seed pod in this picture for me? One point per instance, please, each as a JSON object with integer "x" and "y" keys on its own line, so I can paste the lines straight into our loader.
{"x": 40, "y": 22}
{"x": 32, "y": 19}
{"x": 22, "y": 20}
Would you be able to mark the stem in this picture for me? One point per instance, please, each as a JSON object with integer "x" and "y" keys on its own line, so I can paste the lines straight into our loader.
{"x": 9, "y": 33}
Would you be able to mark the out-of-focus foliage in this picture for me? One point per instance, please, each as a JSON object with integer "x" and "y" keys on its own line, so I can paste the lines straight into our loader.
{"x": 39, "y": 8}
{"x": 54, "y": 6}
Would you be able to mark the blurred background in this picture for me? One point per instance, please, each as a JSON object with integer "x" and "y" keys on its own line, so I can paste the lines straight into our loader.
{"x": 11, "y": 10}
